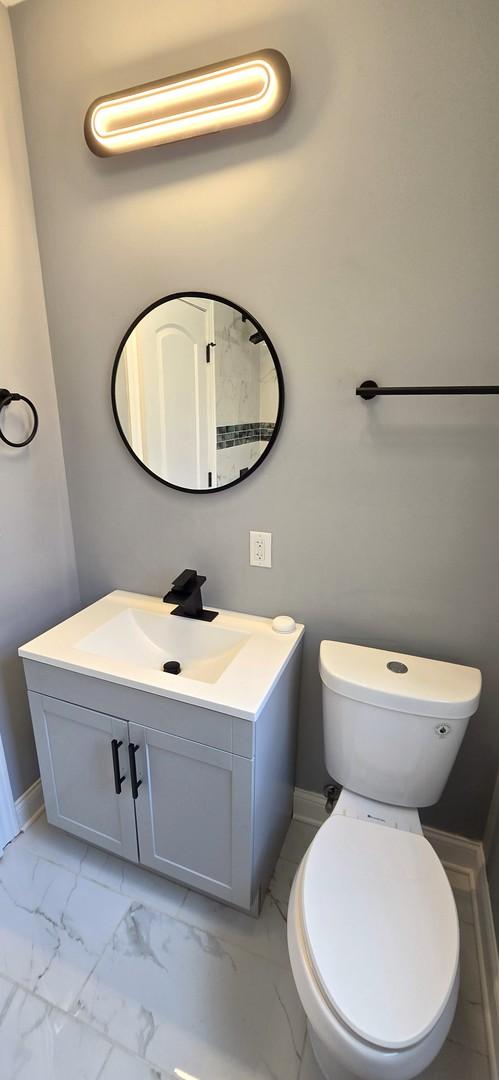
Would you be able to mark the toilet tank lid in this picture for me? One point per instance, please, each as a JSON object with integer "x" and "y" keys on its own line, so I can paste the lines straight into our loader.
{"x": 410, "y": 684}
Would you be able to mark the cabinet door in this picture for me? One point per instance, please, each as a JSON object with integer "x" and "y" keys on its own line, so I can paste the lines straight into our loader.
{"x": 76, "y": 764}
{"x": 194, "y": 813}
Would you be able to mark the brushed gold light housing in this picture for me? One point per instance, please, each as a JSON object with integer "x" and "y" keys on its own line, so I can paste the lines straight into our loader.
{"x": 244, "y": 90}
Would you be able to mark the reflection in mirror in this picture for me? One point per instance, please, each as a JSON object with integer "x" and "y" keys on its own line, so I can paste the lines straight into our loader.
{"x": 197, "y": 391}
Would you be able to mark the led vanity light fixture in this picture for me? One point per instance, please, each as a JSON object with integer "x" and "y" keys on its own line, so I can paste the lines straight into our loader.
{"x": 244, "y": 90}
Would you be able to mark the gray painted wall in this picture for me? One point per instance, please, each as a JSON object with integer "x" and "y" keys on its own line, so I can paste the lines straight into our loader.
{"x": 359, "y": 227}
{"x": 37, "y": 563}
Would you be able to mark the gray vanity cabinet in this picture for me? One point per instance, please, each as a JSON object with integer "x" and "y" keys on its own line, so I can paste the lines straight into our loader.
{"x": 74, "y": 751}
{"x": 214, "y": 791}
{"x": 194, "y": 813}
{"x": 192, "y": 817}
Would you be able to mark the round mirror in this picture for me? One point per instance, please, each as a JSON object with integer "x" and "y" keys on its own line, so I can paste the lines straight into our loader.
{"x": 197, "y": 391}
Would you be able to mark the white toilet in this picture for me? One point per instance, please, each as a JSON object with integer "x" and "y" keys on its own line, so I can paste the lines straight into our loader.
{"x": 372, "y": 925}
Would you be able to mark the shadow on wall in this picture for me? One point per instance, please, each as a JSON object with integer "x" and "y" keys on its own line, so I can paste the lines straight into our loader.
{"x": 16, "y": 721}
{"x": 491, "y": 845}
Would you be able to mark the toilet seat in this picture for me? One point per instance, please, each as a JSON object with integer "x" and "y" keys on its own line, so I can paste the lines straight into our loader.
{"x": 380, "y": 928}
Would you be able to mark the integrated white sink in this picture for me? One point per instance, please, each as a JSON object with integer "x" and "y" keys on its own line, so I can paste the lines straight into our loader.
{"x": 230, "y": 664}
{"x": 142, "y": 638}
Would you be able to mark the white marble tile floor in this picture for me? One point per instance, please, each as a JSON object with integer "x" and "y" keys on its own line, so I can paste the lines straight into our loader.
{"x": 108, "y": 972}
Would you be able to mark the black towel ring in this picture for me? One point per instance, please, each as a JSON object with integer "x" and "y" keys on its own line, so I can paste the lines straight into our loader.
{"x": 5, "y": 399}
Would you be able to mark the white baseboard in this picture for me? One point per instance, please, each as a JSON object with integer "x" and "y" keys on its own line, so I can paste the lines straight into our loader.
{"x": 489, "y": 962}
{"x": 467, "y": 856}
{"x": 456, "y": 851}
{"x": 492, "y": 821}
{"x": 29, "y": 805}
{"x": 309, "y": 806}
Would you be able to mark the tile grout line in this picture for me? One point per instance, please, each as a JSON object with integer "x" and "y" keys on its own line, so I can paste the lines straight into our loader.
{"x": 80, "y": 1022}
{"x": 169, "y": 914}
{"x": 99, "y": 958}
{"x": 81, "y": 1018}
{"x": 77, "y": 875}
{"x": 86, "y": 1022}
{"x": 467, "y": 872}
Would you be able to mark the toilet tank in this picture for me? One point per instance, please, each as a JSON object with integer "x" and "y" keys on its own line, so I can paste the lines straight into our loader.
{"x": 393, "y": 724}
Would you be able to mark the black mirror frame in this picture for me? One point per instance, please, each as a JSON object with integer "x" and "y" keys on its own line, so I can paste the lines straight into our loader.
{"x": 280, "y": 382}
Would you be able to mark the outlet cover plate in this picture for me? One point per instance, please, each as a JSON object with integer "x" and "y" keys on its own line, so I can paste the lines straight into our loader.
{"x": 261, "y": 549}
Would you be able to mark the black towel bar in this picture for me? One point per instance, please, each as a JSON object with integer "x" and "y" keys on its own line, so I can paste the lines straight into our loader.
{"x": 370, "y": 389}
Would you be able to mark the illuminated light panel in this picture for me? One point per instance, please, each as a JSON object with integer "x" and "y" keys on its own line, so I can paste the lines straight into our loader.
{"x": 244, "y": 90}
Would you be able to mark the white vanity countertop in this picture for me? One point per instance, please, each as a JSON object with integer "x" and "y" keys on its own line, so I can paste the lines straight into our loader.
{"x": 230, "y": 665}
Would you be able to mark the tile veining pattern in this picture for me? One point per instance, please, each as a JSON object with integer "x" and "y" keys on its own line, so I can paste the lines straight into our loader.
{"x": 247, "y": 395}
{"x": 108, "y": 972}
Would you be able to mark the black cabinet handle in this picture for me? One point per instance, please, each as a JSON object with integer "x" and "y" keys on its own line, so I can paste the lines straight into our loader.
{"x": 118, "y": 779}
{"x": 132, "y": 747}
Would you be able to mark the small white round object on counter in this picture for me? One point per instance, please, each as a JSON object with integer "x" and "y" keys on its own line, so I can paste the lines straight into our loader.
{"x": 284, "y": 624}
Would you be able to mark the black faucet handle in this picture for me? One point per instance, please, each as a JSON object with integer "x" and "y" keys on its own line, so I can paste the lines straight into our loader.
{"x": 185, "y": 592}
{"x": 188, "y": 579}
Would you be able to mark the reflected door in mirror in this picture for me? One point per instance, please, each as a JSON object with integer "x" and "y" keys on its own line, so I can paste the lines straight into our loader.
{"x": 166, "y": 394}
{"x": 197, "y": 392}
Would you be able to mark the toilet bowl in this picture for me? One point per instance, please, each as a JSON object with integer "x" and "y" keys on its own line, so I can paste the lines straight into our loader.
{"x": 373, "y": 939}
{"x": 373, "y": 933}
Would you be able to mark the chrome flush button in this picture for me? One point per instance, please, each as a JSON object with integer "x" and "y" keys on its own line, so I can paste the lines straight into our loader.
{"x": 397, "y": 667}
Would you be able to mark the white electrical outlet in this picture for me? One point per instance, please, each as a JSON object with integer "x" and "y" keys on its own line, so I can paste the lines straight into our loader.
{"x": 260, "y": 549}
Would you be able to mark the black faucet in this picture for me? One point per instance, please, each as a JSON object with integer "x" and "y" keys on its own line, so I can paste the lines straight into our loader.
{"x": 186, "y": 593}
